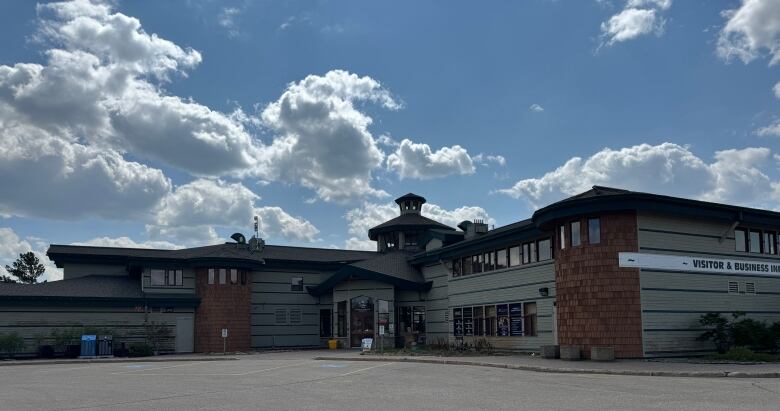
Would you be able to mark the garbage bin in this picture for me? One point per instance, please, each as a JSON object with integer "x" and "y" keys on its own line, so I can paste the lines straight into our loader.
{"x": 88, "y": 345}
{"x": 105, "y": 346}
{"x": 333, "y": 344}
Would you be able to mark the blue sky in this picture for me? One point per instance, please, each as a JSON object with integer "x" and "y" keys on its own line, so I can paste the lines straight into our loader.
{"x": 168, "y": 124}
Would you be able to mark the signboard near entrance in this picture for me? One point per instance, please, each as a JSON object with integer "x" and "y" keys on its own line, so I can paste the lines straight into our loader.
{"x": 502, "y": 312}
{"x": 516, "y": 320}
{"x": 224, "y": 333}
{"x": 366, "y": 344}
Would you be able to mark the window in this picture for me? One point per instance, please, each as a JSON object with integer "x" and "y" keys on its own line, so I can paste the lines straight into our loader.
{"x": 410, "y": 239}
{"x": 211, "y": 276}
{"x": 456, "y": 268}
{"x": 533, "y": 253}
{"x": 562, "y": 237}
{"x": 733, "y": 287}
{"x": 341, "y": 318}
{"x": 490, "y": 320}
{"x": 466, "y": 266}
{"x": 529, "y": 319}
{"x": 222, "y": 276}
{"x": 770, "y": 242}
{"x": 526, "y": 253}
{"x": 296, "y": 284}
{"x": 479, "y": 325}
{"x": 233, "y": 276}
{"x": 280, "y": 316}
{"x": 514, "y": 256}
{"x": 545, "y": 250}
{"x": 501, "y": 259}
{"x": 326, "y": 331}
{"x": 168, "y": 309}
{"x": 594, "y": 231}
{"x": 468, "y": 321}
{"x": 476, "y": 264}
{"x": 166, "y": 277}
{"x": 750, "y": 288}
{"x": 488, "y": 258}
{"x": 157, "y": 277}
{"x": 295, "y": 316}
{"x": 575, "y": 233}
{"x": 740, "y": 236}
{"x": 755, "y": 241}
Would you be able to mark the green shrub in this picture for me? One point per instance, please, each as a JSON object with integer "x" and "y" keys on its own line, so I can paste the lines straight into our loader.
{"x": 11, "y": 344}
{"x": 744, "y": 354}
{"x": 140, "y": 350}
{"x": 739, "y": 332}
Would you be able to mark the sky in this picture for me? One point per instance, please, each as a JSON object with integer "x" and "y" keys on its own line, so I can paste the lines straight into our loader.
{"x": 173, "y": 124}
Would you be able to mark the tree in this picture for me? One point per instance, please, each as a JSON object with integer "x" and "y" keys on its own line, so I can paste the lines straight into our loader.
{"x": 26, "y": 269}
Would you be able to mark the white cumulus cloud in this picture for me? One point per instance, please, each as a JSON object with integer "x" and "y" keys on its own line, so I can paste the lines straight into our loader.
{"x": 637, "y": 18}
{"x": 735, "y": 176}
{"x": 751, "y": 31}
{"x": 190, "y": 213}
{"x": 417, "y": 160}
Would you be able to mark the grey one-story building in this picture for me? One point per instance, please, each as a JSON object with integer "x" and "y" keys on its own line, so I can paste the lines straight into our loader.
{"x": 607, "y": 267}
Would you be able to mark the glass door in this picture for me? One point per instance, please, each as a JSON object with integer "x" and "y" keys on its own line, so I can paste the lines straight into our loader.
{"x": 361, "y": 319}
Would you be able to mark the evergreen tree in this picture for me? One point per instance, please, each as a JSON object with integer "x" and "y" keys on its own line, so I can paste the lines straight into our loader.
{"x": 26, "y": 269}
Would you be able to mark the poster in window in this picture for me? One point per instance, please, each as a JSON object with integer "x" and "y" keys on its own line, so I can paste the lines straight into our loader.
{"x": 516, "y": 320}
{"x": 468, "y": 321}
{"x": 502, "y": 312}
{"x": 457, "y": 322}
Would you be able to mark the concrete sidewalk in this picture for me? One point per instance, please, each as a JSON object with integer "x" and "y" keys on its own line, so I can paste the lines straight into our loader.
{"x": 159, "y": 358}
{"x": 665, "y": 368}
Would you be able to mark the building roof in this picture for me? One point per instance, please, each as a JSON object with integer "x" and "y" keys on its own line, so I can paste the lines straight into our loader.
{"x": 228, "y": 251}
{"x": 497, "y": 236}
{"x": 608, "y": 199}
{"x": 109, "y": 286}
{"x": 410, "y": 196}
{"x": 91, "y": 287}
{"x": 392, "y": 268}
{"x": 411, "y": 221}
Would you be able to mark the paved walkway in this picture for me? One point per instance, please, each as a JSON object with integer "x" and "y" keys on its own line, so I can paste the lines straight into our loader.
{"x": 672, "y": 368}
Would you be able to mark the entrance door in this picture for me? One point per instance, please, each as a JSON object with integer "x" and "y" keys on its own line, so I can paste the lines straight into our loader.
{"x": 184, "y": 333}
{"x": 411, "y": 325}
{"x": 361, "y": 318}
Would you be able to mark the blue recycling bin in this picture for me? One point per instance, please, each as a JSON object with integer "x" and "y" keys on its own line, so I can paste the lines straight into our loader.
{"x": 88, "y": 345}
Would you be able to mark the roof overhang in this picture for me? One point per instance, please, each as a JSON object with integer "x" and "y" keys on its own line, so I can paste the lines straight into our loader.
{"x": 349, "y": 272}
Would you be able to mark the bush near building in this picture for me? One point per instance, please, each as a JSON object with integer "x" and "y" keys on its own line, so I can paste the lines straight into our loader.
{"x": 739, "y": 332}
{"x": 11, "y": 344}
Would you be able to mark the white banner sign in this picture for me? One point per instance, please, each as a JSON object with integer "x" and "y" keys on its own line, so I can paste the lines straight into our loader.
{"x": 698, "y": 264}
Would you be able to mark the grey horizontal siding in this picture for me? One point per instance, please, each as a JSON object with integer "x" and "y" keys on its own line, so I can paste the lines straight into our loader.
{"x": 35, "y": 324}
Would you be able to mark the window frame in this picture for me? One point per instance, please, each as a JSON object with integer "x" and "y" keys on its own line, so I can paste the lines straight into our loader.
{"x": 296, "y": 284}
{"x": 575, "y": 236}
{"x": 590, "y": 231}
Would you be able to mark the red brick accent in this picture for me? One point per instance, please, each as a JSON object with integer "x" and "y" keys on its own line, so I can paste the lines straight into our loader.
{"x": 598, "y": 302}
{"x": 222, "y": 306}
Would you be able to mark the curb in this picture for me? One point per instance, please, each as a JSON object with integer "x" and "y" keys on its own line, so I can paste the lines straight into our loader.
{"x": 533, "y": 368}
{"x": 109, "y": 360}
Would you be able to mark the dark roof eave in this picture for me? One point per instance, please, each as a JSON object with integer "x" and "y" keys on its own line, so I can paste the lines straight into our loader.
{"x": 175, "y": 301}
{"x": 361, "y": 273}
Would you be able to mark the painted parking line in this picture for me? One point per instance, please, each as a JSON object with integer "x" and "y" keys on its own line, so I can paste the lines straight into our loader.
{"x": 142, "y": 368}
{"x": 93, "y": 366}
{"x": 145, "y": 373}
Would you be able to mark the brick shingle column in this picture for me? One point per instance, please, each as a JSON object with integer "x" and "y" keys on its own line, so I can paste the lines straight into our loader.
{"x": 598, "y": 302}
{"x": 222, "y": 306}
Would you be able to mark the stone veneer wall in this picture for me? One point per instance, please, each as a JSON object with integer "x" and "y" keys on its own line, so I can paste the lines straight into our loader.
{"x": 222, "y": 306}
{"x": 598, "y": 302}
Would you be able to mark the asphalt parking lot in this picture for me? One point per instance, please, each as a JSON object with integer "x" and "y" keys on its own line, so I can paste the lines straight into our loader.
{"x": 293, "y": 381}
